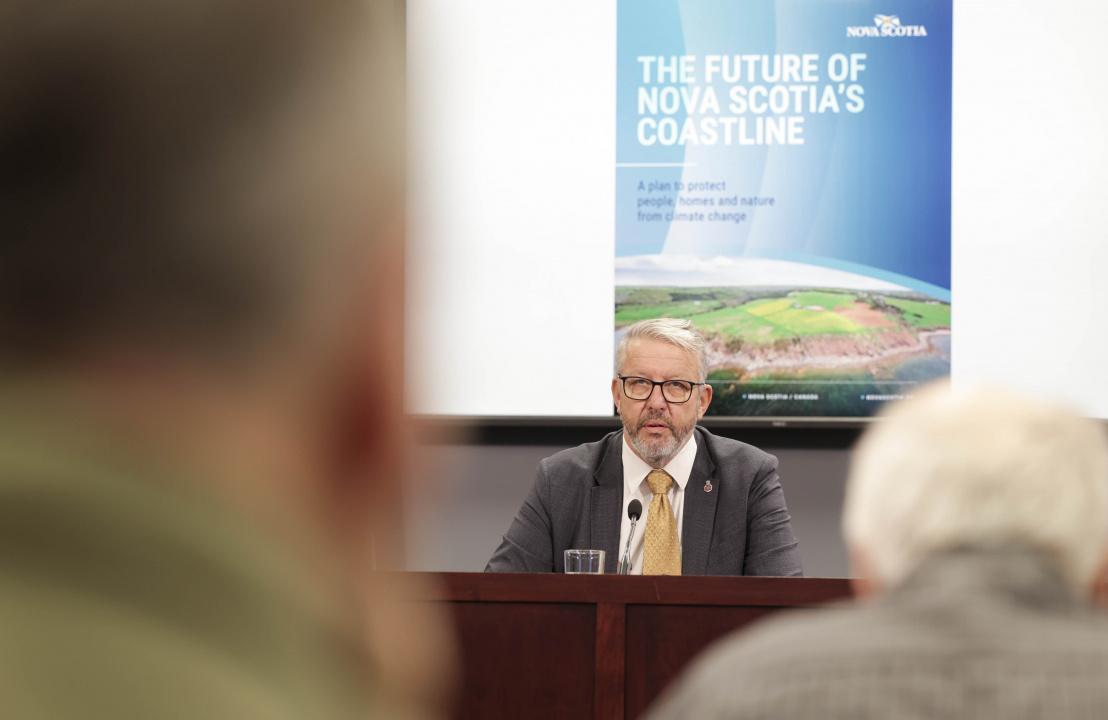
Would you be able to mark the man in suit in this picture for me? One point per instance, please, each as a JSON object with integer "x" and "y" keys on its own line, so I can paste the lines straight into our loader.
{"x": 977, "y": 523}
{"x": 712, "y": 506}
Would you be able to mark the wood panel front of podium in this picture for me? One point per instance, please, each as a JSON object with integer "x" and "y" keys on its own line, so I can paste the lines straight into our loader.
{"x": 572, "y": 647}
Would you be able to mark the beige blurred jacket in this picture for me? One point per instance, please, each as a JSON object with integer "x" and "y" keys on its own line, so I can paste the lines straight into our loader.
{"x": 121, "y": 596}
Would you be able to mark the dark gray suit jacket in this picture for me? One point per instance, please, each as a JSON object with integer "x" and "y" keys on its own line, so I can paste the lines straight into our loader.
{"x": 741, "y": 527}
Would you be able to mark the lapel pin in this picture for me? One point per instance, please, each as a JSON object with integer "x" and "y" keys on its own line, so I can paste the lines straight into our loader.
{"x": 708, "y": 486}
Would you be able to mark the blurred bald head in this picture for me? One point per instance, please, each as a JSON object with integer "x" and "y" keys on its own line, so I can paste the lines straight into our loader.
{"x": 189, "y": 175}
{"x": 979, "y": 467}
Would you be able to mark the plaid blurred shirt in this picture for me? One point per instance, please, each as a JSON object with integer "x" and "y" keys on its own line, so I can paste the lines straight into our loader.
{"x": 970, "y": 634}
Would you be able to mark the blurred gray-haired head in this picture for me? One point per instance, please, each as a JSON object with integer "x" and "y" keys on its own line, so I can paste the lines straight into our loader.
{"x": 979, "y": 467}
{"x": 186, "y": 173}
{"x": 681, "y": 333}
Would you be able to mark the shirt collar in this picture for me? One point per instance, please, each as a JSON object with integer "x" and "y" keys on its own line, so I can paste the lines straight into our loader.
{"x": 679, "y": 467}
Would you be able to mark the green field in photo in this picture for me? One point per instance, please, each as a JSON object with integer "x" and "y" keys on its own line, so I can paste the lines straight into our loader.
{"x": 761, "y": 316}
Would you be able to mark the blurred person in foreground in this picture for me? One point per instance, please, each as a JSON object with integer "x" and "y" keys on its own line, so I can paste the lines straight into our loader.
{"x": 201, "y": 445}
{"x": 977, "y": 525}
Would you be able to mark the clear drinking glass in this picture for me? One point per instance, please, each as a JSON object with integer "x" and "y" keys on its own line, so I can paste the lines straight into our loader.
{"x": 579, "y": 562}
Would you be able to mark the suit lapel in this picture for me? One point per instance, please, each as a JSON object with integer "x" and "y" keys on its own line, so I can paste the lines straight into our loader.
{"x": 700, "y": 512}
{"x": 606, "y": 503}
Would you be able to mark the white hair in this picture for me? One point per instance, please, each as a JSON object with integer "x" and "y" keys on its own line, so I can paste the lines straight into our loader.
{"x": 681, "y": 333}
{"x": 981, "y": 467}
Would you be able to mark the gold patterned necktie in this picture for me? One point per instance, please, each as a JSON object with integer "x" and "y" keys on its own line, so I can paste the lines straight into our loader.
{"x": 662, "y": 547}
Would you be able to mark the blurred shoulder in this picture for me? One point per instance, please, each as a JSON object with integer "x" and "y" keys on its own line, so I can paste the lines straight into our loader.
{"x": 815, "y": 633}
{"x": 755, "y": 669}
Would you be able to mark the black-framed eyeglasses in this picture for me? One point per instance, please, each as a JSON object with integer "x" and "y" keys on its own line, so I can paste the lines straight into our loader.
{"x": 674, "y": 391}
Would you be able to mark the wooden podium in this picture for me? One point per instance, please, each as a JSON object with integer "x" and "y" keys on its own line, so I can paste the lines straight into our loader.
{"x": 572, "y": 647}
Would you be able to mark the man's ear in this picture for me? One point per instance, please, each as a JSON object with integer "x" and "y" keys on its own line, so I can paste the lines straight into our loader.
{"x": 862, "y": 578}
{"x": 370, "y": 439}
{"x": 704, "y": 401}
{"x": 615, "y": 392}
{"x": 1098, "y": 589}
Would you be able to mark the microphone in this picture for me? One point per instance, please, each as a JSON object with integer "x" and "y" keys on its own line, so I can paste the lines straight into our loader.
{"x": 634, "y": 511}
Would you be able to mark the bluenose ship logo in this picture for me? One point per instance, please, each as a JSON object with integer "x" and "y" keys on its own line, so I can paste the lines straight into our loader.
{"x": 886, "y": 26}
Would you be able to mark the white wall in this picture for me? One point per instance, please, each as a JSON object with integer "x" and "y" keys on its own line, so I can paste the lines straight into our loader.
{"x": 512, "y": 206}
{"x": 1030, "y": 219}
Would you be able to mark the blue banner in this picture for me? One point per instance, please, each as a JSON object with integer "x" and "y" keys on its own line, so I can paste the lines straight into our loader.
{"x": 783, "y": 180}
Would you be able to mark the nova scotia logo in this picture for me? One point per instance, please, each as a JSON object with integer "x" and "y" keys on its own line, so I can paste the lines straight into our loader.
{"x": 886, "y": 26}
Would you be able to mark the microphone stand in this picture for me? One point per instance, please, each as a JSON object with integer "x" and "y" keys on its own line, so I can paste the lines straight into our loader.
{"x": 625, "y": 563}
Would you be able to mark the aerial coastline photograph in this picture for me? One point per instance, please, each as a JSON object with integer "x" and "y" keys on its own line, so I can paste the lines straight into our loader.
{"x": 801, "y": 349}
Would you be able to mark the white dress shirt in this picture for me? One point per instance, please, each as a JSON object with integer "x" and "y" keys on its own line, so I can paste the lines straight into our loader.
{"x": 635, "y": 487}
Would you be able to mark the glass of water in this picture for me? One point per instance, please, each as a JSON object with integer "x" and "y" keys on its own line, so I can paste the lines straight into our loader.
{"x": 580, "y": 562}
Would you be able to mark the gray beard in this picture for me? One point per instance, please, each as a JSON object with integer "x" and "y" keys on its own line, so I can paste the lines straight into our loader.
{"x": 660, "y": 452}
